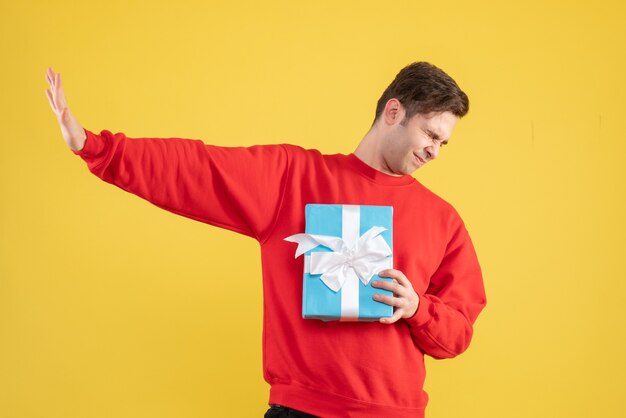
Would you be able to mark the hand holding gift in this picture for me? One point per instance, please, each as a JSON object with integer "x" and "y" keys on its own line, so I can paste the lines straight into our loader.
{"x": 405, "y": 298}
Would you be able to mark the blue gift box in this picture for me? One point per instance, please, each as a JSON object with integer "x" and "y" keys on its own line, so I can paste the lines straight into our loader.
{"x": 337, "y": 286}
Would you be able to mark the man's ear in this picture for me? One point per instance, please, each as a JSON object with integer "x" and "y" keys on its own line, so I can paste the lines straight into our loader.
{"x": 393, "y": 112}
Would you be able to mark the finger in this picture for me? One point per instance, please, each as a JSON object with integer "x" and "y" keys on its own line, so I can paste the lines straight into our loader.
{"x": 395, "y": 317}
{"x": 54, "y": 93}
{"x": 398, "y": 275}
{"x": 49, "y": 96}
{"x": 389, "y": 273}
{"x": 392, "y": 286}
{"x": 59, "y": 96}
{"x": 389, "y": 300}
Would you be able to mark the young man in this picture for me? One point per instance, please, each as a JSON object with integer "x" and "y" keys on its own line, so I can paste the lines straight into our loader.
{"x": 353, "y": 369}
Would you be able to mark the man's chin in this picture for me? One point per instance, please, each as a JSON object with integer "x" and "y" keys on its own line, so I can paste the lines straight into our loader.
{"x": 408, "y": 171}
{"x": 413, "y": 168}
{"x": 405, "y": 170}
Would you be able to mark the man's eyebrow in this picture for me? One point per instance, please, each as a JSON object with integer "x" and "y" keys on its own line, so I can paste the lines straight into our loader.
{"x": 435, "y": 136}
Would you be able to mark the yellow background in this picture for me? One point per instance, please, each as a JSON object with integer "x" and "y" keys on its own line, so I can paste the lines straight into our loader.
{"x": 111, "y": 307}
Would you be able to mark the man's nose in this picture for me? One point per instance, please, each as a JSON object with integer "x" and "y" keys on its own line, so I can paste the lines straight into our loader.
{"x": 433, "y": 151}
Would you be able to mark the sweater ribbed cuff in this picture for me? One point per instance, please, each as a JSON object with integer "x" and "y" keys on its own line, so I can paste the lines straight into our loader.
{"x": 92, "y": 146}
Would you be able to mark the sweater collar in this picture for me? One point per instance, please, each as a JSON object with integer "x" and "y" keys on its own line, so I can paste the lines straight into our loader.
{"x": 377, "y": 176}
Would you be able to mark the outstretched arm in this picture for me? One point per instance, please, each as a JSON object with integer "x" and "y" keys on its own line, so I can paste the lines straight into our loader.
{"x": 236, "y": 188}
{"x": 72, "y": 132}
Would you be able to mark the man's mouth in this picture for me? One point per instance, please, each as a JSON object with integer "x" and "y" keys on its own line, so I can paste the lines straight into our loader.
{"x": 422, "y": 162}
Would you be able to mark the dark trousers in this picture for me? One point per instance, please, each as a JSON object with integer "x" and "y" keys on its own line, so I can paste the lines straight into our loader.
{"x": 279, "y": 411}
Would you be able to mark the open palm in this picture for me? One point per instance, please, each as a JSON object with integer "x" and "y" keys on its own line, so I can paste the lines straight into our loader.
{"x": 73, "y": 133}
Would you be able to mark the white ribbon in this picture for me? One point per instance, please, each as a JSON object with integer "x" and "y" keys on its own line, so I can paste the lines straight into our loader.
{"x": 367, "y": 257}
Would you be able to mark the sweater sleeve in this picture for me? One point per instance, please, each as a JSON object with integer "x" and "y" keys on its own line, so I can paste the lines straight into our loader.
{"x": 442, "y": 326}
{"x": 236, "y": 188}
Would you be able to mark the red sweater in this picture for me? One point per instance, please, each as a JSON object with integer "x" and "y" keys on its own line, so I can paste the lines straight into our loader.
{"x": 330, "y": 369}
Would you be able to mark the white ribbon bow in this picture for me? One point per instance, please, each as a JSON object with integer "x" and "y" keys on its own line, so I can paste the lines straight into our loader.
{"x": 366, "y": 258}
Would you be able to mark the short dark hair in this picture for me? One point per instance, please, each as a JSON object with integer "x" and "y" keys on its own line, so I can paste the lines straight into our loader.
{"x": 423, "y": 88}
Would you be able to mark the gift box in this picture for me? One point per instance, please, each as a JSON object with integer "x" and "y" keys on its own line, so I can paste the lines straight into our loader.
{"x": 344, "y": 247}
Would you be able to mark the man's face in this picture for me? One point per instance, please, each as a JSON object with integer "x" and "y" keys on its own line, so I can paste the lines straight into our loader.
{"x": 409, "y": 144}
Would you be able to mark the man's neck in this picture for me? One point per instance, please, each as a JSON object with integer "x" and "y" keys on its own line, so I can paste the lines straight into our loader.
{"x": 370, "y": 153}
